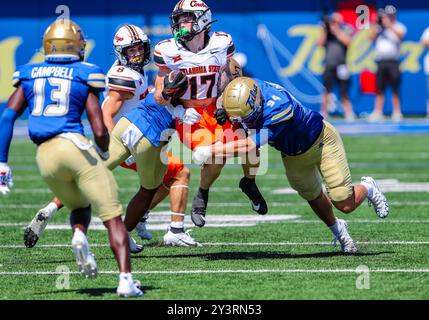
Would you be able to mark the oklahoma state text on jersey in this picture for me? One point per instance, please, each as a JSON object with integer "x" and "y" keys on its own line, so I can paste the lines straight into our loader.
{"x": 201, "y": 68}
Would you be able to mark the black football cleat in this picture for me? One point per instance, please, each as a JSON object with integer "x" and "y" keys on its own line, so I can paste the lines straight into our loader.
{"x": 199, "y": 206}
{"x": 30, "y": 238}
{"x": 250, "y": 189}
{"x": 33, "y": 232}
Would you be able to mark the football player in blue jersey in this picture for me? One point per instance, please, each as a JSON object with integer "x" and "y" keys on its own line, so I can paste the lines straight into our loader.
{"x": 311, "y": 149}
{"x": 57, "y": 92}
{"x": 127, "y": 86}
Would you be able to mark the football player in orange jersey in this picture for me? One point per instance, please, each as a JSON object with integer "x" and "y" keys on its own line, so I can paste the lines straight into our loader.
{"x": 201, "y": 56}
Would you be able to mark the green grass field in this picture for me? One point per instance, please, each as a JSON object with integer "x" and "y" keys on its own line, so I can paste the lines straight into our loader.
{"x": 287, "y": 259}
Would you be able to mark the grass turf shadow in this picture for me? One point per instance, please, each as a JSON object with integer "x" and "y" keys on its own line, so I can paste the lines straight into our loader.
{"x": 94, "y": 292}
{"x": 214, "y": 256}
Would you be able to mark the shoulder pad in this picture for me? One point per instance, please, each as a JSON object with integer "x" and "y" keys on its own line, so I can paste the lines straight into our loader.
{"x": 23, "y": 72}
{"x": 223, "y": 41}
{"x": 122, "y": 78}
{"x": 19, "y": 75}
{"x": 163, "y": 52}
{"x": 95, "y": 77}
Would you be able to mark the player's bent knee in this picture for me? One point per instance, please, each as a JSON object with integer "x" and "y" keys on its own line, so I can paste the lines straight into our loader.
{"x": 184, "y": 175}
{"x": 110, "y": 212}
{"x": 310, "y": 195}
{"x": 340, "y": 194}
{"x": 151, "y": 184}
{"x": 344, "y": 208}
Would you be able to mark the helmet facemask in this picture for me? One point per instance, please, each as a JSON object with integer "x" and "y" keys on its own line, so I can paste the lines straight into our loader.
{"x": 201, "y": 21}
{"x": 250, "y": 121}
{"x": 136, "y": 62}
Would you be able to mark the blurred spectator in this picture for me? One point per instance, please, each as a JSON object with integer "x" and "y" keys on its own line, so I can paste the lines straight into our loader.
{"x": 387, "y": 35}
{"x": 425, "y": 42}
{"x": 336, "y": 37}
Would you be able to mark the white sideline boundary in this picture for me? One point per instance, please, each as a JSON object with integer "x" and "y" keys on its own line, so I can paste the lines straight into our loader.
{"x": 237, "y": 244}
{"x": 175, "y": 272}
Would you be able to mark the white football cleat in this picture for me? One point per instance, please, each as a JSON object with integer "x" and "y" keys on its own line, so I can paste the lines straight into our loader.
{"x": 143, "y": 232}
{"x": 375, "y": 116}
{"x": 134, "y": 246}
{"x": 128, "y": 288}
{"x": 350, "y": 117}
{"x": 35, "y": 229}
{"x": 84, "y": 258}
{"x": 343, "y": 237}
{"x": 397, "y": 116}
{"x": 377, "y": 200}
{"x": 182, "y": 239}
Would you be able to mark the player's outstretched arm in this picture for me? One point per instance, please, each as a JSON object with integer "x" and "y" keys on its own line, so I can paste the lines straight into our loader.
{"x": 235, "y": 148}
{"x": 95, "y": 117}
{"x": 16, "y": 105}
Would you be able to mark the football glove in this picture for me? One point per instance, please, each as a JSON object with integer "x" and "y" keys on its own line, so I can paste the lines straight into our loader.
{"x": 175, "y": 85}
{"x": 191, "y": 116}
{"x": 221, "y": 116}
{"x": 6, "y": 181}
{"x": 201, "y": 155}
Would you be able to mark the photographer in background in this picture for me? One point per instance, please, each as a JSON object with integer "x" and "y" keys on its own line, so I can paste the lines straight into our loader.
{"x": 387, "y": 35}
{"x": 336, "y": 37}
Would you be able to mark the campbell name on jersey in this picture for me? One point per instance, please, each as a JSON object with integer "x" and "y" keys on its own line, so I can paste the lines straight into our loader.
{"x": 123, "y": 78}
{"x": 201, "y": 68}
{"x": 56, "y": 94}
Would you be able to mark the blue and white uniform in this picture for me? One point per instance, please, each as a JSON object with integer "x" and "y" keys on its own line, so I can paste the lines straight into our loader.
{"x": 56, "y": 94}
{"x": 291, "y": 127}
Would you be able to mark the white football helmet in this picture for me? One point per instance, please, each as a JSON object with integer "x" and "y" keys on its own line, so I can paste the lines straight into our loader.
{"x": 200, "y": 13}
{"x": 128, "y": 36}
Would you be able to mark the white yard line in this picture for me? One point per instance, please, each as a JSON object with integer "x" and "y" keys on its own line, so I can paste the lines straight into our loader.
{"x": 211, "y": 223}
{"x": 159, "y": 225}
{"x": 174, "y": 272}
{"x": 241, "y": 244}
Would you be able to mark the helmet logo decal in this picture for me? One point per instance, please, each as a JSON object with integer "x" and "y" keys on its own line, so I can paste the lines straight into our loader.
{"x": 252, "y": 97}
{"x": 198, "y": 4}
{"x": 118, "y": 38}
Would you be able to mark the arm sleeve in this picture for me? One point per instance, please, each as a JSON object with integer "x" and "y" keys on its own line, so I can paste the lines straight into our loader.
{"x": 7, "y": 121}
